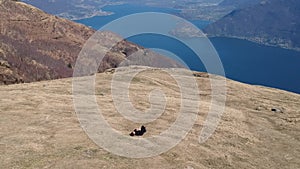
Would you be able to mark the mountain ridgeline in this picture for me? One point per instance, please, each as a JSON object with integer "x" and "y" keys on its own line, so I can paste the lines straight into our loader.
{"x": 271, "y": 22}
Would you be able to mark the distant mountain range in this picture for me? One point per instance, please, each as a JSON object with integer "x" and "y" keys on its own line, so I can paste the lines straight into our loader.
{"x": 271, "y": 22}
{"x": 189, "y": 9}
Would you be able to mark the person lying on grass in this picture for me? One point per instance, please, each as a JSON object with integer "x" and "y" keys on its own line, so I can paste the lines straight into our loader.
{"x": 139, "y": 132}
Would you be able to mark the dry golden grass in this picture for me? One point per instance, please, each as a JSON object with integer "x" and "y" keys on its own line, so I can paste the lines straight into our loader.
{"x": 39, "y": 127}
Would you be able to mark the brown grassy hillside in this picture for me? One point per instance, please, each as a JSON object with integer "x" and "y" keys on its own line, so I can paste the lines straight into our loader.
{"x": 37, "y": 46}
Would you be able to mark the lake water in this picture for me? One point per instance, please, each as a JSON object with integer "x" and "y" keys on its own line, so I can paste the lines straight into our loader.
{"x": 242, "y": 60}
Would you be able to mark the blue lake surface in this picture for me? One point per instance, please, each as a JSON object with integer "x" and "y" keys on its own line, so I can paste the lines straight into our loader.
{"x": 242, "y": 60}
{"x": 120, "y": 11}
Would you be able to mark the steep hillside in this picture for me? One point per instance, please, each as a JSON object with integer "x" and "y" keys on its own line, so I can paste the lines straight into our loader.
{"x": 37, "y": 46}
{"x": 272, "y": 22}
{"x": 39, "y": 129}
